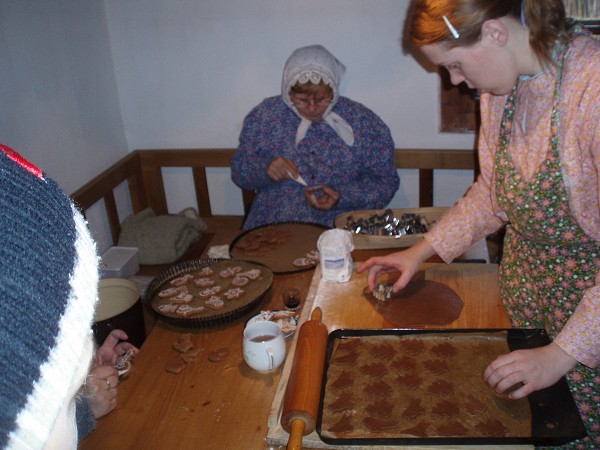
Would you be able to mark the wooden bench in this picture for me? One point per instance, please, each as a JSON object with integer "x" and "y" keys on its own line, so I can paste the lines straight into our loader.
{"x": 142, "y": 170}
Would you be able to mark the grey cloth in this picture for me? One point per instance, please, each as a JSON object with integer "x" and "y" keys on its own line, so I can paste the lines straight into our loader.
{"x": 161, "y": 239}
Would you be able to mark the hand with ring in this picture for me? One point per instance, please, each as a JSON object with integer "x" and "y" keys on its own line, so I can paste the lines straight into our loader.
{"x": 101, "y": 390}
{"x": 103, "y": 378}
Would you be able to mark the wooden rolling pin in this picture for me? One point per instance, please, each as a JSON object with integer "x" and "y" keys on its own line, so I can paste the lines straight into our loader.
{"x": 303, "y": 392}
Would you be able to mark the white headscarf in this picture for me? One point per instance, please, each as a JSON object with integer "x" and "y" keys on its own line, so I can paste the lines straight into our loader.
{"x": 314, "y": 63}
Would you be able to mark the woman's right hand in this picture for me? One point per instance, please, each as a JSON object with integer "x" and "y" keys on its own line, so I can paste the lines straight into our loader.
{"x": 406, "y": 262}
{"x": 112, "y": 348}
{"x": 282, "y": 169}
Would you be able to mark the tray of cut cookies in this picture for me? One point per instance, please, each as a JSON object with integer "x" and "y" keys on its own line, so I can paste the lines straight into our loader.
{"x": 208, "y": 292}
{"x": 287, "y": 247}
{"x": 425, "y": 387}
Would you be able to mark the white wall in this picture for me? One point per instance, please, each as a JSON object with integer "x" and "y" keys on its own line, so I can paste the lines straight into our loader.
{"x": 57, "y": 87}
{"x": 84, "y": 82}
{"x": 188, "y": 71}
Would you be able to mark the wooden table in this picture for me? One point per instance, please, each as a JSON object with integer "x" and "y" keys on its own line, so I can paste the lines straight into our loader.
{"x": 227, "y": 405}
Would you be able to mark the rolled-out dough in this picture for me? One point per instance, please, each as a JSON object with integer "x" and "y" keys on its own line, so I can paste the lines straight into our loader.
{"x": 421, "y": 302}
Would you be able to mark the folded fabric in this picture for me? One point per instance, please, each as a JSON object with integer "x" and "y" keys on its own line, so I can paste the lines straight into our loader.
{"x": 161, "y": 239}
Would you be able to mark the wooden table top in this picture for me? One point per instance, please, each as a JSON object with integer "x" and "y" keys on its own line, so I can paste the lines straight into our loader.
{"x": 227, "y": 405}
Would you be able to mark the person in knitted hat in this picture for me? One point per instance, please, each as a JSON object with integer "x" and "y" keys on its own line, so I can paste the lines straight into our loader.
{"x": 310, "y": 153}
{"x": 48, "y": 292}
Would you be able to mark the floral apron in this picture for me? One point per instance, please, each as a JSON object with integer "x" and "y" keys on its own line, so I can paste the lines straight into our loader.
{"x": 548, "y": 260}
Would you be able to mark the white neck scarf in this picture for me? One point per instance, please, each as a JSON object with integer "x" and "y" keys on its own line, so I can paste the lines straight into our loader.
{"x": 315, "y": 63}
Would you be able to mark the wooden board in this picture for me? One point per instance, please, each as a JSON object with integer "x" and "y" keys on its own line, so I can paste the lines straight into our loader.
{"x": 344, "y": 306}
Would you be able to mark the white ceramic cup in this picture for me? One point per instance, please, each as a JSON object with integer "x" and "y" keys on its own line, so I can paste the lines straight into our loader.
{"x": 263, "y": 346}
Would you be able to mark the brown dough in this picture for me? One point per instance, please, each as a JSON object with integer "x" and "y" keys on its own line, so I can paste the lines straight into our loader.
{"x": 421, "y": 302}
{"x": 175, "y": 364}
{"x": 190, "y": 355}
{"x": 183, "y": 343}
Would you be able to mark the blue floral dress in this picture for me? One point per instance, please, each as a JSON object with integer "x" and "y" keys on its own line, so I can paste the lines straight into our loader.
{"x": 364, "y": 174}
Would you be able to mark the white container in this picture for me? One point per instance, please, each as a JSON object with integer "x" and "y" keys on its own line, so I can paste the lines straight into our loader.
{"x": 335, "y": 252}
{"x": 119, "y": 307}
{"x": 263, "y": 346}
{"x": 119, "y": 262}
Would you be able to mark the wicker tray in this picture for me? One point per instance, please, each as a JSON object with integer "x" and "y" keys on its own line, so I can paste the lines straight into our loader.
{"x": 364, "y": 241}
{"x": 253, "y": 292}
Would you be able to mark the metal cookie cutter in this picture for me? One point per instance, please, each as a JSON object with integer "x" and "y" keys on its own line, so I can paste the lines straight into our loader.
{"x": 382, "y": 292}
{"x": 125, "y": 363}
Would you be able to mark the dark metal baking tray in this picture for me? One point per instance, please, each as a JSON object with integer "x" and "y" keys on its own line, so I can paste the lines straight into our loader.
{"x": 555, "y": 417}
{"x": 303, "y": 238}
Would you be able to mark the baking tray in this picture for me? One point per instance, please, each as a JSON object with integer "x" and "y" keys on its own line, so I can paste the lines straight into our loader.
{"x": 254, "y": 292}
{"x": 297, "y": 240}
{"x": 555, "y": 419}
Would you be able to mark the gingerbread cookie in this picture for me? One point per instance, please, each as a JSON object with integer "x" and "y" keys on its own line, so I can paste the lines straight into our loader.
{"x": 239, "y": 280}
{"x": 182, "y": 298}
{"x": 169, "y": 292}
{"x": 252, "y": 274}
{"x": 230, "y": 272}
{"x": 215, "y": 302}
{"x": 233, "y": 293}
{"x": 187, "y": 310}
{"x": 182, "y": 280}
{"x": 204, "y": 282}
{"x": 206, "y": 271}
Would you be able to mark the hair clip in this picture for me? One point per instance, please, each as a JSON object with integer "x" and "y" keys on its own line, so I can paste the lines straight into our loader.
{"x": 523, "y": 20}
{"x": 453, "y": 31}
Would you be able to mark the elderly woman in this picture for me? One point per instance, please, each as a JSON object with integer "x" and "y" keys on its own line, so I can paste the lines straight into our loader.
{"x": 310, "y": 154}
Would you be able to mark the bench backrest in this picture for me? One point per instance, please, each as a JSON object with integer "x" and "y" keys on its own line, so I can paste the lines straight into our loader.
{"x": 142, "y": 170}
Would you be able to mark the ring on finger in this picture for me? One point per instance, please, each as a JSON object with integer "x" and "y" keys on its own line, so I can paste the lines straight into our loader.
{"x": 107, "y": 383}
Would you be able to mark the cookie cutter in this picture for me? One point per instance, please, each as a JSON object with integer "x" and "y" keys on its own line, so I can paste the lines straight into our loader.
{"x": 125, "y": 363}
{"x": 382, "y": 292}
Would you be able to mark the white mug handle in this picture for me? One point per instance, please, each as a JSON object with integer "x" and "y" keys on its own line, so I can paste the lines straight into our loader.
{"x": 271, "y": 358}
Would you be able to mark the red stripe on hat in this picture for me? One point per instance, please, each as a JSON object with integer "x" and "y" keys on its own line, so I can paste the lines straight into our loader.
{"x": 16, "y": 157}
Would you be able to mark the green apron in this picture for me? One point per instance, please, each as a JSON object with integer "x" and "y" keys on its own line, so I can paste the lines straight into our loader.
{"x": 548, "y": 260}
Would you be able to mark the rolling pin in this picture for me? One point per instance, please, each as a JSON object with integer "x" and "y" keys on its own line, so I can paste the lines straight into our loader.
{"x": 303, "y": 392}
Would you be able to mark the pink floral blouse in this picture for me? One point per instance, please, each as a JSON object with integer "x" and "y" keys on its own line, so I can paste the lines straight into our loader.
{"x": 477, "y": 214}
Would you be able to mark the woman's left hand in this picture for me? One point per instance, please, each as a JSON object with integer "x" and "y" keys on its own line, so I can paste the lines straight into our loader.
{"x": 101, "y": 390}
{"x": 322, "y": 197}
{"x": 528, "y": 370}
